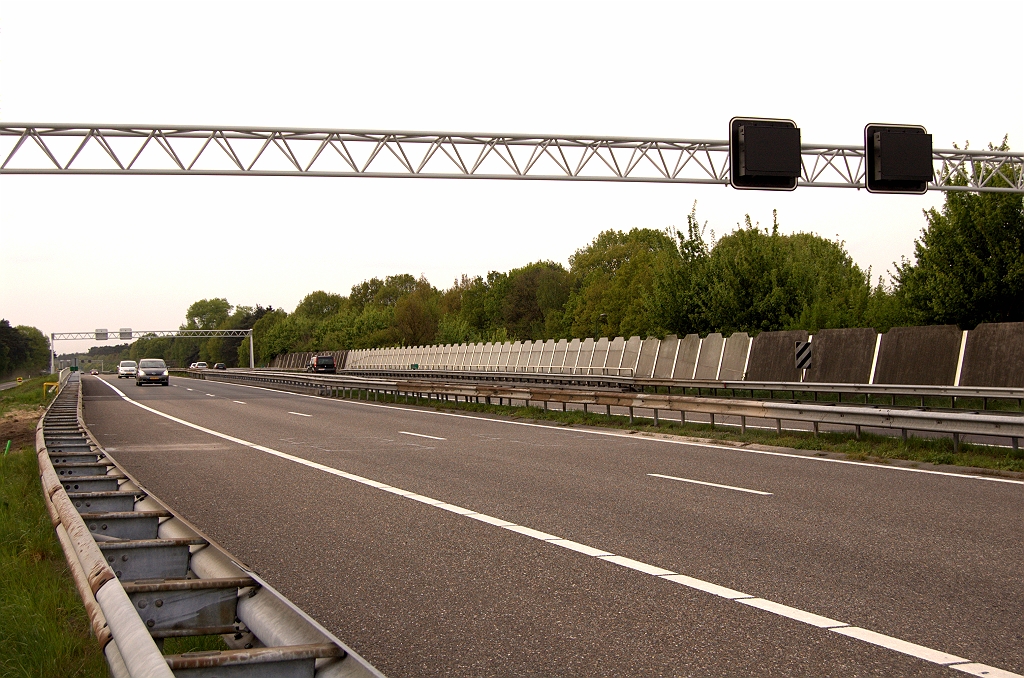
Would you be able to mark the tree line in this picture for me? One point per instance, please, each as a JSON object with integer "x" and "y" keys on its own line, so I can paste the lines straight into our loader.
{"x": 968, "y": 268}
{"x": 24, "y": 351}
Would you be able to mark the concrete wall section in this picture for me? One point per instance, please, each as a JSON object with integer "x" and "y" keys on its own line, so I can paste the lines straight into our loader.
{"x": 615, "y": 348}
{"x": 710, "y": 356}
{"x": 686, "y": 358}
{"x": 648, "y": 354}
{"x": 842, "y": 356}
{"x": 666, "y": 357}
{"x": 586, "y": 356}
{"x": 919, "y": 355}
{"x": 994, "y": 356}
{"x": 735, "y": 357}
{"x": 630, "y": 354}
{"x": 773, "y": 356}
{"x": 600, "y": 356}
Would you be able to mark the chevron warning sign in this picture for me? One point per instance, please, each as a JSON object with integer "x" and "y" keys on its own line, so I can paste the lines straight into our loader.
{"x": 803, "y": 355}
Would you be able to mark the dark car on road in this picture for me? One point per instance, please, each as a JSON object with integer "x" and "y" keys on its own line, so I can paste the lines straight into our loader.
{"x": 152, "y": 371}
{"x": 322, "y": 363}
{"x": 220, "y": 366}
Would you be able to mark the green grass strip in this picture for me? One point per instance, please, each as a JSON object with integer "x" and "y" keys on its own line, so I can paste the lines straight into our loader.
{"x": 44, "y": 630}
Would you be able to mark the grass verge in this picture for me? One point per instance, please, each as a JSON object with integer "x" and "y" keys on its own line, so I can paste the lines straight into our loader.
{"x": 869, "y": 447}
{"x": 44, "y": 630}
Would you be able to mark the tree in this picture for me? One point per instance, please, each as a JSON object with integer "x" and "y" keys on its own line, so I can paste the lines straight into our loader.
{"x": 206, "y": 314}
{"x": 761, "y": 280}
{"x": 417, "y": 314}
{"x": 319, "y": 305}
{"x": 611, "y": 280}
{"x": 969, "y": 261}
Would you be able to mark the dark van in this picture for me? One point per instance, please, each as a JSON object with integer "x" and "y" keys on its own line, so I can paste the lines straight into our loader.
{"x": 322, "y": 363}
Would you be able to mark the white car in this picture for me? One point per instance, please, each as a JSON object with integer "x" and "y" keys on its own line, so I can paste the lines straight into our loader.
{"x": 202, "y": 366}
{"x": 127, "y": 369}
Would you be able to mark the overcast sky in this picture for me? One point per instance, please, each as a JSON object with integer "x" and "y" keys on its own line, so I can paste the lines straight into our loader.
{"x": 78, "y": 253}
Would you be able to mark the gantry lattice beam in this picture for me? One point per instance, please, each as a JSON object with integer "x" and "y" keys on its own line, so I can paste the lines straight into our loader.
{"x": 115, "y": 335}
{"x": 29, "y": 148}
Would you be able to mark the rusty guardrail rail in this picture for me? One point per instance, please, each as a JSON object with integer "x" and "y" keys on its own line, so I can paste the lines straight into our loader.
{"x": 145, "y": 574}
{"x": 954, "y": 422}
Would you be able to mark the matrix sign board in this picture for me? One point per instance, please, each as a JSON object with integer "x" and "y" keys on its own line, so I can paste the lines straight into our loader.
{"x": 764, "y": 153}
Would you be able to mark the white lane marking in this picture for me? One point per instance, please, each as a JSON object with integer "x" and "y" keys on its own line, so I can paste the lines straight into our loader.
{"x": 706, "y": 587}
{"x": 238, "y": 401}
{"x": 913, "y": 649}
{"x": 634, "y": 437}
{"x": 792, "y": 613}
{"x": 865, "y": 635}
{"x": 188, "y": 389}
{"x": 301, "y": 414}
{"x": 211, "y": 395}
{"x": 421, "y": 435}
{"x": 702, "y": 482}
{"x": 982, "y": 670}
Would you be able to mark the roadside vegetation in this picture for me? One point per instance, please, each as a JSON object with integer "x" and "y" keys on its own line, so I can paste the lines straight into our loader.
{"x": 44, "y": 630}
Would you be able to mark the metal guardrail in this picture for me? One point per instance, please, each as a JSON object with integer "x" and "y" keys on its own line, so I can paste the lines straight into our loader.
{"x": 715, "y": 387}
{"x": 144, "y": 574}
{"x": 956, "y": 423}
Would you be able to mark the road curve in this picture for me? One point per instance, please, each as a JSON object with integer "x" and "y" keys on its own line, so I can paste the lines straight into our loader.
{"x": 839, "y": 569}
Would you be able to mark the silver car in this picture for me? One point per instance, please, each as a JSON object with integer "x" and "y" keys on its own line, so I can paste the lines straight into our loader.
{"x": 127, "y": 369}
{"x": 152, "y": 371}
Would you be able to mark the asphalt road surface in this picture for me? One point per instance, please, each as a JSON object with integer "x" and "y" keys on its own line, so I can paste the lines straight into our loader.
{"x": 548, "y": 550}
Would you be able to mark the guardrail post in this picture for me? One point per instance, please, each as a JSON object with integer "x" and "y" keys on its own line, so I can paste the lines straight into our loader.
{"x": 630, "y": 414}
{"x": 743, "y": 425}
{"x": 712, "y": 420}
{"x": 956, "y": 441}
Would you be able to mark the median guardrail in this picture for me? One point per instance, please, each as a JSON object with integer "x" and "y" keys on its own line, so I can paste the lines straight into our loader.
{"x": 953, "y": 422}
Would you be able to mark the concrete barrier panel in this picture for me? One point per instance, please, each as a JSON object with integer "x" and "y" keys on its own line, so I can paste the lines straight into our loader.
{"x": 710, "y": 356}
{"x": 600, "y": 356}
{"x": 648, "y": 354}
{"x": 919, "y": 355}
{"x": 558, "y": 359}
{"x": 586, "y": 356}
{"x": 666, "y": 357}
{"x": 686, "y": 357}
{"x": 515, "y": 358}
{"x": 546, "y": 355}
{"x": 630, "y": 355}
{"x": 735, "y": 357}
{"x": 614, "y": 360}
{"x": 842, "y": 356}
{"x": 994, "y": 356}
{"x": 773, "y": 356}
{"x": 572, "y": 355}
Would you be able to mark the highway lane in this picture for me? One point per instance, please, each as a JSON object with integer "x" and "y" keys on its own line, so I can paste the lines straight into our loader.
{"x": 930, "y": 559}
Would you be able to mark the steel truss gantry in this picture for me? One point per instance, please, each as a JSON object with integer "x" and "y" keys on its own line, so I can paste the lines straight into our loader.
{"x": 128, "y": 334}
{"x": 29, "y": 148}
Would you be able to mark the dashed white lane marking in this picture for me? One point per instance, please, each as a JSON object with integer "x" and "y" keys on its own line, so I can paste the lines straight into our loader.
{"x": 421, "y": 435}
{"x": 238, "y": 401}
{"x": 818, "y": 621}
{"x": 634, "y": 438}
{"x": 702, "y": 482}
{"x": 211, "y": 395}
{"x": 301, "y": 414}
{"x": 188, "y": 389}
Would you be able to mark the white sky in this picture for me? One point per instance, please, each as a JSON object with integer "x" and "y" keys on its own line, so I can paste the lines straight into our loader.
{"x": 78, "y": 253}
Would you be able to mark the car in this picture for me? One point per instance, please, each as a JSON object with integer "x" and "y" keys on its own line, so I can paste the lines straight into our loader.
{"x": 192, "y": 366}
{"x": 322, "y": 363}
{"x": 152, "y": 371}
{"x": 126, "y": 369}
{"x": 220, "y": 366}
{"x": 94, "y": 372}
{"x": 202, "y": 366}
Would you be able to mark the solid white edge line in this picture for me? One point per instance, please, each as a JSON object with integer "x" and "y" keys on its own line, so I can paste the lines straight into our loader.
{"x": 238, "y": 401}
{"x": 634, "y": 437}
{"x": 855, "y": 632}
{"x": 301, "y": 414}
{"x": 703, "y": 482}
{"x": 421, "y": 435}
